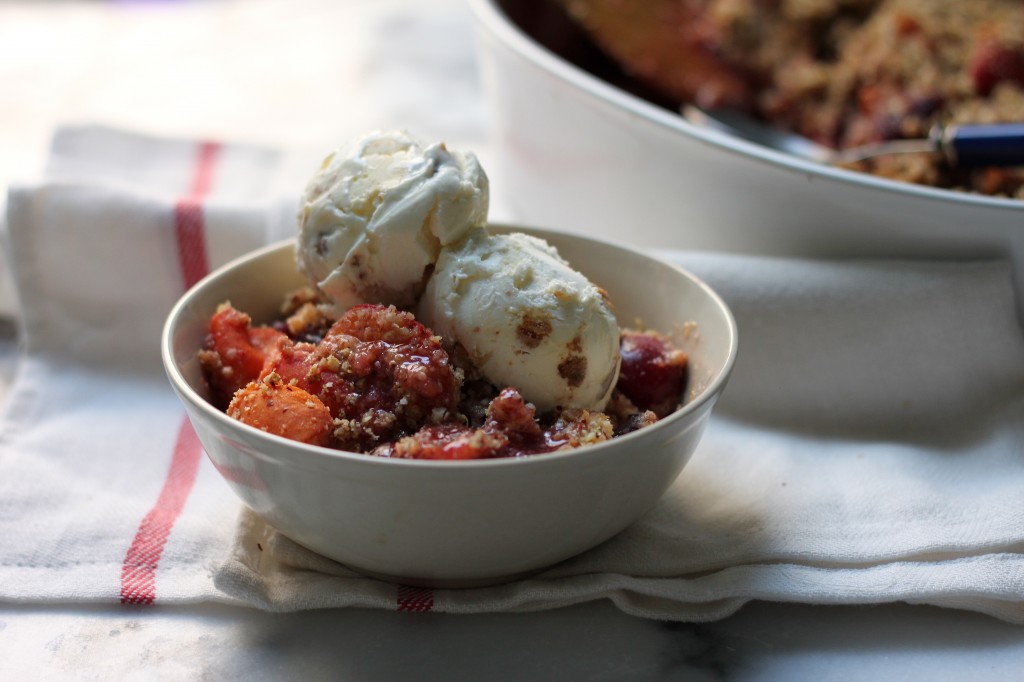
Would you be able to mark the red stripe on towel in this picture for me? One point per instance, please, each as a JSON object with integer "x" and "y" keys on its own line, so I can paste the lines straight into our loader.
{"x": 415, "y": 599}
{"x": 202, "y": 180}
{"x": 138, "y": 573}
{"x": 189, "y": 228}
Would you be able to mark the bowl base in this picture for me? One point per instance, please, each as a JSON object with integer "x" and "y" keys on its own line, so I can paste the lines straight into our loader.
{"x": 444, "y": 583}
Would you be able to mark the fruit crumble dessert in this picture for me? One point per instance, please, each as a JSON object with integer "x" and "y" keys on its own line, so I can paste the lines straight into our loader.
{"x": 422, "y": 335}
{"x": 376, "y": 381}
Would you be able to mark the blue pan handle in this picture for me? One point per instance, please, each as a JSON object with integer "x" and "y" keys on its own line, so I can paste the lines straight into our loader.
{"x": 970, "y": 146}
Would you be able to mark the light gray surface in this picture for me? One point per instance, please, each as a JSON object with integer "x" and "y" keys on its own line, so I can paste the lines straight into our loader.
{"x": 586, "y": 642}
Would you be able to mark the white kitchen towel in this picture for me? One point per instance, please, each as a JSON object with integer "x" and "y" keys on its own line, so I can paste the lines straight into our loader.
{"x": 104, "y": 493}
{"x": 869, "y": 447}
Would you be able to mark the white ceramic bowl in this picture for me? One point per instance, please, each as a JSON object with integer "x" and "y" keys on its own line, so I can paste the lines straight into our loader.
{"x": 469, "y": 522}
{"x": 587, "y": 156}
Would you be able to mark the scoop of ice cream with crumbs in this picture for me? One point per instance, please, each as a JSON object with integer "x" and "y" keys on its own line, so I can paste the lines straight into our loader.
{"x": 526, "y": 319}
{"x": 390, "y": 220}
{"x": 377, "y": 214}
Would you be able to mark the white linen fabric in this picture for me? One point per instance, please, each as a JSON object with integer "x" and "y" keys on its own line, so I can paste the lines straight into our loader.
{"x": 869, "y": 447}
{"x": 89, "y": 429}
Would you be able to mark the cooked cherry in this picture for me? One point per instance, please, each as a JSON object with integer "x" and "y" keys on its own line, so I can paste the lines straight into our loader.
{"x": 653, "y": 373}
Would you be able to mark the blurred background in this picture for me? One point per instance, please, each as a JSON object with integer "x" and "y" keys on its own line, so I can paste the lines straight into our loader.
{"x": 299, "y": 74}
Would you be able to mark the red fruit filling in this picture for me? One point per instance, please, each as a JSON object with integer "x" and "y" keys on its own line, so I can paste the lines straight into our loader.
{"x": 653, "y": 372}
{"x": 379, "y": 382}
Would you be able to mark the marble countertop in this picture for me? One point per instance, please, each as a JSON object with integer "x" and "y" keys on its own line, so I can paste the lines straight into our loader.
{"x": 586, "y": 642}
{"x": 247, "y": 70}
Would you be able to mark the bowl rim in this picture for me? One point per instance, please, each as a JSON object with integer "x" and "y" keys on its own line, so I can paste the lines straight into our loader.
{"x": 490, "y": 16}
{"x": 710, "y": 392}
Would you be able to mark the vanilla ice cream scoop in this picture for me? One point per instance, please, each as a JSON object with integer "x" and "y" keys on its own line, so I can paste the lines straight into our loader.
{"x": 376, "y": 215}
{"x": 526, "y": 319}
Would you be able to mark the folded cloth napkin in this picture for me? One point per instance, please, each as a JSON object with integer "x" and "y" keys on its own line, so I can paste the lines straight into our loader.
{"x": 868, "y": 448}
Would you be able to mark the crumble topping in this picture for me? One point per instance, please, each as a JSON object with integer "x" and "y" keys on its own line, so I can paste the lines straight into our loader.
{"x": 376, "y": 381}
